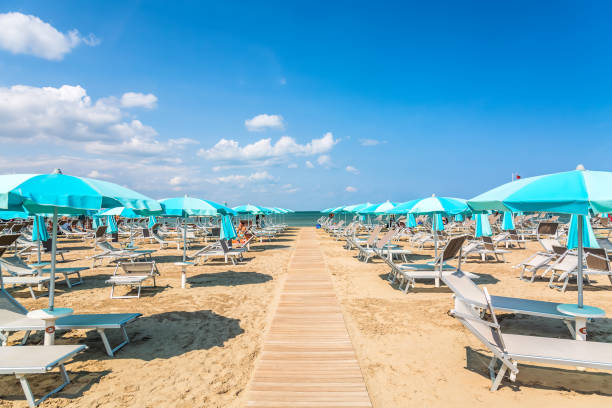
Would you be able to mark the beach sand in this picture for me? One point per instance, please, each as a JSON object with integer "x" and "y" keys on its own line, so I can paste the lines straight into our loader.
{"x": 198, "y": 346}
{"x": 192, "y": 347}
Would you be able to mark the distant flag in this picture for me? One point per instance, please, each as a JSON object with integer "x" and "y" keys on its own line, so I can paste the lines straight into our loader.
{"x": 515, "y": 176}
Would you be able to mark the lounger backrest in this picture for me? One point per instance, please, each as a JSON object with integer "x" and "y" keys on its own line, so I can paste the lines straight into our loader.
{"x": 548, "y": 228}
{"x": 465, "y": 289}
{"x": 480, "y": 328}
{"x": 8, "y": 239}
{"x": 385, "y": 239}
{"x": 559, "y": 250}
{"x": 568, "y": 263}
{"x": 453, "y": 247}
{"x": 488, "y": 243}
{"x": 14, "y": 265}
{"x": 548, "y": 244}
{"x": 597, "y": 259}
{"x": 10, "y": 309}
{"x": 100, "y": 231}
{"x": 138, "y": 268}
{"x": 374, "y": 235}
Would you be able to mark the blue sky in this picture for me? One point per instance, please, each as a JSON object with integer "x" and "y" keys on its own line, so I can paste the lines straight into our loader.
{"x": 349, "y": 101}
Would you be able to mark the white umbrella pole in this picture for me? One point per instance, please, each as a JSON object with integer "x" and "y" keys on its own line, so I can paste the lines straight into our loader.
{"x": 435, "y": 235}
{"x": 580, "y": 221}
{"x": 53, "y": 246}
{"x": 185, "y": 239}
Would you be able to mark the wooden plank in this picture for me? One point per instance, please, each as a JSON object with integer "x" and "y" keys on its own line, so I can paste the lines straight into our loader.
{"x": 308, "y": 359}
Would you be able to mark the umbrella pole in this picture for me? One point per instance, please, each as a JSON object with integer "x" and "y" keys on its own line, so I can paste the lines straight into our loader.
{"x": 435, "y": 236}
{"x": 184, "y": 239}
{"x": 580, "y": 221}
{"x": 53, "y": 246}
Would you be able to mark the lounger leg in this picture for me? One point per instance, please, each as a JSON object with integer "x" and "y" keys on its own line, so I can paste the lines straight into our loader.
{"x": 111, "y": 351}
{"x": 28, "y": 391}
{"x": 67, "y": 280}
{"x": 32, "y": 292}
{"x": 500, "y": 376}
{"x": 26, "y": 336}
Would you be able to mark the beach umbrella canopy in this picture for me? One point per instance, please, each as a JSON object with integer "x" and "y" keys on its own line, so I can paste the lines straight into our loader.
{"x": 439, "y": 222}
{"x": 508, "y": 221}
{"x": 581, "y": 192}
{"x": 152, "y": 221}
{"x": 483, "y": 227}
{"x": 355, "y": 208}
{"x": 411, "y": 221}
{"x": 112, "y": 224}
{"x": 380, "y": 208}
{"x": 9, "y": 215}
{"x": 435, "y": 205}
{"x": 39, "y": 229}
{"x": 572, "y": 192}
{"x": 191, "y": 206}
{"x": 227, "y": 228}
{"x": 459, "y": 217}
{"x": 58, "y": 193}
{"x": 96, "y": 221}
{"x": 588, "y": 236}
{"x": 120, "y": 211}
{"x": 249, "y": 209}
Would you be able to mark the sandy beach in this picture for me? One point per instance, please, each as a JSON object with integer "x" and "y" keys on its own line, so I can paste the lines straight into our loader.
{"x": 199, "y": 346}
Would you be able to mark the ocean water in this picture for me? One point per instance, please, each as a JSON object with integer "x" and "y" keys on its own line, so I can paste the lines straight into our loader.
{"x": 300, "y": 218}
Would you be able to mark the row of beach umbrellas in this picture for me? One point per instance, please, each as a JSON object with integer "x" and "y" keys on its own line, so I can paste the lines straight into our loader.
{"x": 580, "y": 193}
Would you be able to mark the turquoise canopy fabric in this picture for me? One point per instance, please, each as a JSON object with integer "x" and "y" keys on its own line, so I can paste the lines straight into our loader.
{"x": 191, "y": 206}
{"x": 43, "y": 193}
{"x": 439, "y": 222}
{"x": 9, "y": 215}
{"x": 355, "y": 208}
{"x": 249, "y": 209}
{"x": 508, "y": 222}
{"x": 380, "y": 208}
{"x": 411, "y": 221}
{"x": 96, "y": 221}
{"x": 483, "y": 227}
{"x": 152, "y": 221}
{"x": 572, "y": 192}
{"x": 432, "y": 205}
{"x": 227, "y": 228}
{"x": 121, "y": 212}
{"x": 39, "y": 229}
{"x": 588, "y": 236}
{"x": 112, "y": 224}
{"x": 459, "y": 218}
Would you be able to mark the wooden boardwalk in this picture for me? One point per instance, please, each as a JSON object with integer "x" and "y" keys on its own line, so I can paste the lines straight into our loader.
{"x": 308, "y": 359}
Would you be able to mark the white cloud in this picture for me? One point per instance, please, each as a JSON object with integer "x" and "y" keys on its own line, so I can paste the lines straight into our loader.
{"x": 292, "y": 166}
{"x": 289, "y": 189}
{"x": 68, "y": 115}
{"x": 352, "y": 169}
{"x": 97, "y": 175}
{"x": 138, "y": 100}
{"x": 263, "y": 122}
{"x": 371, "y": 142}
{"x": 309, "y": 164}
{"x": 176, "y": 181}
{"x": 240, "y": 179}
{"x": 350, "y": 189}
{"x": 27, "y": 34}
{"x": 264, "y": 151}
{"x": 324, "y": 160}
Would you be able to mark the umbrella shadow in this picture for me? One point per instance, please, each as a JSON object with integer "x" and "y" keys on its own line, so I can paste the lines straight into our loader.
{"x": 542, "y": 377}
{"x": 167, "y": 335}
{"x": 264, "y": 247}
{"x": 229, "y": 278}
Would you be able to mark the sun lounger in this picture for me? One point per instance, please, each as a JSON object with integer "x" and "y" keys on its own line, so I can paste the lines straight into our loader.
{"x": 465, "y": 290}
{"x": 13, "y": 318}
{"x": 134, "y": 274}
{"x": 219, "y": 249}
{"x": 534, "y": 263}
{"x": 21, "y": 361}
{"x": 17, "y": 267}
{"x": 511, "y": 348}
{"x": 410, "y": 273}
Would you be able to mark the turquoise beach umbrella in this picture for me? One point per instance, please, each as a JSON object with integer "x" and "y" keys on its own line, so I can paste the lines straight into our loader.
{"x": 120, "y": 211}
{"x": 355, "y": 208}
{"x": 249, "y": 209}
{"x": 380, "y": 208}
{"x": 411, "y": 222}
{"x": 508, "y": 222}
{"x": 96, "y": 221}
{"x": 227, "y": 228}
{"x": 459, "y": 218}
{"x": 439, "y": 222}
{"x": 588, "y": 236}
{"x": 580, "y": 192}
{"x": 152, "y": 221}
{"x": 58, "y": 193}
{"x": 39, "y": 229}
{"x": 483, "y": 227}
{"x": 112, "y": 224}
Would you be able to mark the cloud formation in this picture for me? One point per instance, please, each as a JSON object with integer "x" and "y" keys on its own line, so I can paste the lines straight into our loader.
{"x": 352, "y": 169}
{"x": 264, "y": 151}
{"x": 350, "y": 189}
{"x": 264, "y": 121}
{"x": 28, "y": 34}
{"x": 138, "y": 100}
{"x": 371, "y": 142}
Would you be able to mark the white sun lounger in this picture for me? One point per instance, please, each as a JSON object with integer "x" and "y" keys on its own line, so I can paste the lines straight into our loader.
{"x": 511, "y": 348}
{"x": 17, "y": 267}
{"x": 20, "y": 361}
{"x": 13, "y": 318}
{"x": 134, "y": 274}
{"x": 466, "y": 290}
